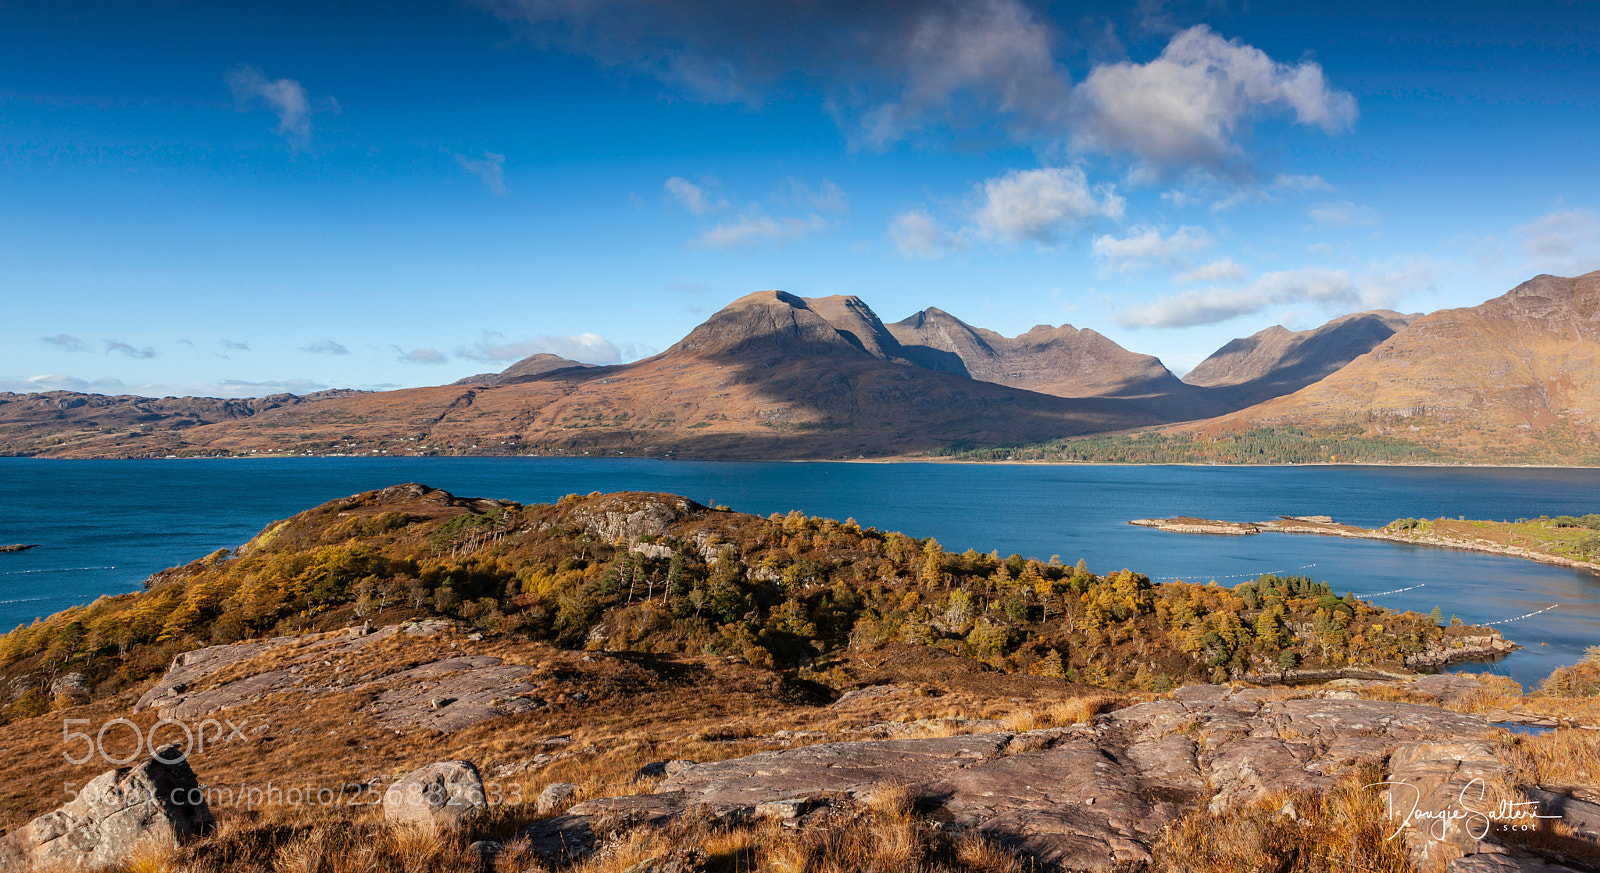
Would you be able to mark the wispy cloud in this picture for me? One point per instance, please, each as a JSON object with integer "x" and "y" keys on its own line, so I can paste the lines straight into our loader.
{"x": 325, "y": 347}
{"x": 917, "y": 235}
{"x": 590, "y": 348}
{"x": 1145, "y": 249}
{"x": 427, "y": 356}
{"x": 127, "y": 350}
{"x": 1224, "y": 270}
{"x": 695, "y": 198}
{"x": 1342, "y": 213}
{"x": 1565, "y": 242}
{"x": 236, "y": 345}
{"x": 66, "y": 343}
{"x": 757, "y": 229}
{"x": 224, "y": 388}
{"x": 491, "y": 168}
{"x": 285, "y": 98}
{"x": 1328, "y": 288}
{"x": 1040, "y": 205}
{"x": 827, "y": 197}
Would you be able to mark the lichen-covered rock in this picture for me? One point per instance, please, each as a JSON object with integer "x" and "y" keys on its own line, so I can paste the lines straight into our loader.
{"x": 157, "y": 803}
{"x": 441, "y": 795}
{"x": 555, "y": 796}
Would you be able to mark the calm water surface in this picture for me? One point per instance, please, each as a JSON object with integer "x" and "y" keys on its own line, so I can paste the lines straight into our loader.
{"x": 104, "y": 526}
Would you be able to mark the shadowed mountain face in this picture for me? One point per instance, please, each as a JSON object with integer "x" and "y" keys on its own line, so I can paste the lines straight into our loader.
{"x": 1275, "y": 361}
{"x": 1061, "y": 361}
{"x": 1521, "y": 368}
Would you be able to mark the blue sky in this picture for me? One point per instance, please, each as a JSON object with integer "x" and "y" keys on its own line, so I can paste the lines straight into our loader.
{"x": 237, "y": 199}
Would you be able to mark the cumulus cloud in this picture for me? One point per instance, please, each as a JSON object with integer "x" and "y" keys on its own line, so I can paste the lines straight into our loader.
{"x": 1565, "y": 242}
{"x": 917, "y": 235}
{"x": 325, "y": 347}
{"x": 1224, "y": 270}
{"x": 590, "y": 348}
{"x": 756, "y": 229}
{"x": 694, "y": 198}
{"x": 491, "y": 168}
{"x": 1145, "y": 248}
{"x": 424, "y": 355}
{"x": 285, "y": 98}
{"x": 1188, "y": 107}
{"x": 1342, "y": 213}
{"x": 886, "y": 69}
{"x": 1329, "y": 288}
{"x": 123, "y": 348}
{"x": 1039, "y": 205}
{"x": 66, "y": 343}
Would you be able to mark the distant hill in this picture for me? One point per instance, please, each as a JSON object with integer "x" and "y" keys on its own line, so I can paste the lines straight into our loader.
{"x": 530, "y": 367}
{"x": 1276, "y": 361}
{"x": 1515, "y": 378}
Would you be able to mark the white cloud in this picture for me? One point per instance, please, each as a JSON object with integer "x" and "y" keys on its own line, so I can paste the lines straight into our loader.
{"x": 66, "y": 343}
{"x": 491, "y": 168}
{"x": 1039, "y": 205}
{"x": 694, "y": 198}
{"x": 828, "y": 197}
{"x": 1224, "y": 270}
{"x": 1565, "y": 243}
{"x": 1328, "y": 288}
{"x": 1145, "y": 248}
{"x": 285, "y": 98}
{"x": 325, "y": 347}
{"x": 1187, "y": 108}
{"x": 590, "y": 348}
{"x": 61, "y": 383}
{"x": 749, "y": 231}
{"x": 1342, "y": 213}
{"x": 123, "y": 348}
{"x": 1297, "y": 182}
{"x": 917, "y": 235}
{"x": 425, "y": 355}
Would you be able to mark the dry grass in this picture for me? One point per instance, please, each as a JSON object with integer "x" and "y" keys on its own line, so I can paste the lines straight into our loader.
{"x": 1336, "y": 831}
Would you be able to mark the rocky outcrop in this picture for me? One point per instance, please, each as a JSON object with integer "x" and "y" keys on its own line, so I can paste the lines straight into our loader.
{"x": 632, "y": 516}
{"x": 1184, "y": 524}
{"x": 1093, "y": 796}
{"x": 158, "y": 803}
{"x": 442, "y": 795}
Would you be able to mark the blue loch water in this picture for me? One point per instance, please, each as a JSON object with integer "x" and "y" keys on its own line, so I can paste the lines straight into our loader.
{"x": 103, "y": 526}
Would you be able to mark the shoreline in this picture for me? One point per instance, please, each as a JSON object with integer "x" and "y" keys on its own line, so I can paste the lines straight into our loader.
{"x": 1305, "y": 525}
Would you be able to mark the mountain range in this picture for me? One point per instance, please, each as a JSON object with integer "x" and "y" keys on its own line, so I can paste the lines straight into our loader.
{"x": 773, "y": 375}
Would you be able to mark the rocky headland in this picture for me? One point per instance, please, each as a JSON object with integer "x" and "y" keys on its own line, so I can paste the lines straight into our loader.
{"x": 617, "y": 680}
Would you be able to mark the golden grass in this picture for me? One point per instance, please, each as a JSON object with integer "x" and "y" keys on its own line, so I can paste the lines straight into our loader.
{"x": 1336, "y": 831}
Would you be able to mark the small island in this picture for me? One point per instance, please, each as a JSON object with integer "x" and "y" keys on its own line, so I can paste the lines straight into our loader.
{"x": 19, "y": 547}
{"x": 1564, "y": 540}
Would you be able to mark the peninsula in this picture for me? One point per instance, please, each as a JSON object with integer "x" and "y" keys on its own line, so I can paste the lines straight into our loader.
{"x": 1565, "y": 541}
